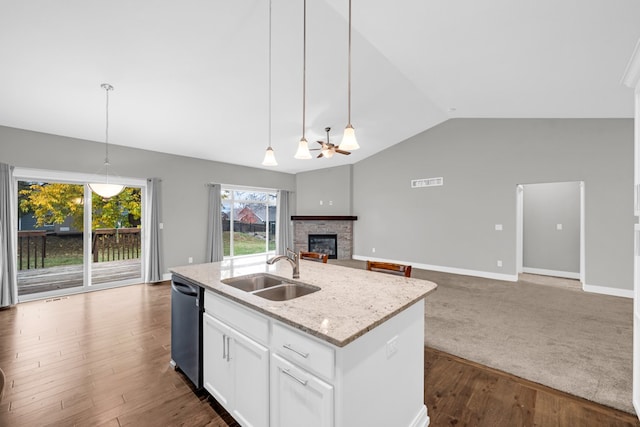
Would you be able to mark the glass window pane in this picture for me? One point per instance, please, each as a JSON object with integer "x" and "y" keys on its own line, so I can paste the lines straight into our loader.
{"x": 116, "y": 230}
{"x": 249, "y": 222}
{"x": 226, "y": 227}
{"x": 50, "y": 239}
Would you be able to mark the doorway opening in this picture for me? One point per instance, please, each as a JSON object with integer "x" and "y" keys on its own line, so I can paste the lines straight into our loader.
{"x": 550, "y": 233}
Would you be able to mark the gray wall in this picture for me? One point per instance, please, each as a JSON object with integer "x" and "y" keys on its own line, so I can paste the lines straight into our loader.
{"x": 332, "y": 186}
{"x": 184, "y": 194}
{"x": 544, "y": 207}
{"x": 482, "y": 161}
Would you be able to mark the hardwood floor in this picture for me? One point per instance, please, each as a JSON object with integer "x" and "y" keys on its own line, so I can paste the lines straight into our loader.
{"x": 463, "y": 393}
{"x": 102, "y": 359}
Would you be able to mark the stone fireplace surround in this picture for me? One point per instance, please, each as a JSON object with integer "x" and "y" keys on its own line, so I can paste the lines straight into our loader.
{"x": 340, "y": 225}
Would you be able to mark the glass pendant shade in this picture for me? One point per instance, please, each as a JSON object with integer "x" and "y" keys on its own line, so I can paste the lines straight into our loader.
{"x": 105, "y": 190}
{"x": 349, "y": 141}
{"x": 269, "y": 158}
{"x": 303, "y": 150}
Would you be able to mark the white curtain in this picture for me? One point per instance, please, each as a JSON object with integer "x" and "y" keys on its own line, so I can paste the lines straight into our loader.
{"x": 214, "y": 225}
{"x": 154, "y": 253}
{"x": 283, "y": 225}
{"x": 8, "y": 237}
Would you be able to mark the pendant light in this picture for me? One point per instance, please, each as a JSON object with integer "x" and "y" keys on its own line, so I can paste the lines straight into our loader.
{"x": 269, "y": 155}
{"x": 105, "y": 189}
{"x": 349, "y": 141}
{"x": 303, "y": 146}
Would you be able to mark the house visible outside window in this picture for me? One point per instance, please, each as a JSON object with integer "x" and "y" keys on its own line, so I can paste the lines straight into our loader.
{"x": 248, "y": 221}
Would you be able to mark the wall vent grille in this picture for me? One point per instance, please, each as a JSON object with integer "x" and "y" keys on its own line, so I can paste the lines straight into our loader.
{"x": 427, "y": 182}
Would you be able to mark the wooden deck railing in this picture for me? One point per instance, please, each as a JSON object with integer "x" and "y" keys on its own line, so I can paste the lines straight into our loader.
{"x": 32, "y": 245}
{"x": 113, "y": 244}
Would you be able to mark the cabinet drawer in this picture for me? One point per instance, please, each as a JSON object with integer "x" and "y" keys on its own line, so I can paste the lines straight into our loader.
{"x": 303, "y": 350}
{"x": 246, "y": 321}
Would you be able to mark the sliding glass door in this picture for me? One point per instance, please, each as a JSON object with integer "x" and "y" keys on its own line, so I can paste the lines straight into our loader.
{"x": 72, "y": 240}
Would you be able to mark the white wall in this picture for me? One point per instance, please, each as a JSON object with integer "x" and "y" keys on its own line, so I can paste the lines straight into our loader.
{"x": 482, "y": 161}
{"x": 184, "y": 179}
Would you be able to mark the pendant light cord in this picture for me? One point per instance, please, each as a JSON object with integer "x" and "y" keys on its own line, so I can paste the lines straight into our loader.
{"x": 106, "y": 131}
{"x": 349, "y": 96}
{"x": 269, "y": 73}
{"x": 304, "y": 68}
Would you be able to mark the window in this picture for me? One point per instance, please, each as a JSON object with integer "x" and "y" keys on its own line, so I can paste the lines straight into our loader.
{"x": 248, "y": 221}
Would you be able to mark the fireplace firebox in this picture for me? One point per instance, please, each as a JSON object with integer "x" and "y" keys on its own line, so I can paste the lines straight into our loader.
{"x": 324, "y": 244}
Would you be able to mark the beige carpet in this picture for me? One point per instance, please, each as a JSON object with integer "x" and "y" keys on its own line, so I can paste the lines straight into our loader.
{"x": 564, "y": 338}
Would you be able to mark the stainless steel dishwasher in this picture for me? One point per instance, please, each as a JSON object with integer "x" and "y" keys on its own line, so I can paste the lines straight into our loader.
{"x": 187, "y": 305}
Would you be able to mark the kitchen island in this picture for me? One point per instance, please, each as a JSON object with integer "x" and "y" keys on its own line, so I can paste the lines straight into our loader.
{"x": 349, "y": 354}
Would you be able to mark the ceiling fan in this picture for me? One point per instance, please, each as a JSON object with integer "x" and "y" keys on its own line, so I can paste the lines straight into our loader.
{"x": 328, "y": 149}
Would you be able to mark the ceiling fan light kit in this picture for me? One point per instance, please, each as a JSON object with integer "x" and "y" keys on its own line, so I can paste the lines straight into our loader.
{"x": 106, "y": 189}
{"x": 328, "y": 149}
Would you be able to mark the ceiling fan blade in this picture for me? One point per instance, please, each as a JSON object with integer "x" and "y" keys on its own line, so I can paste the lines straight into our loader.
{"x": 315, "y": 149}
{"x": 343, "y": 152}
{"x": 320, "y": 142}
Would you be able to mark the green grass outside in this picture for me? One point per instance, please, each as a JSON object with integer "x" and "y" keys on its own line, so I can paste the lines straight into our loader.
{"x": 245, "y": 244}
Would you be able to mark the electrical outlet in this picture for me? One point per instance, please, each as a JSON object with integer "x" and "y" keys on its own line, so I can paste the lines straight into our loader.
{"x": 499, "y": 263}
{"x": 373, "y": 250}
{"x": 321, "y": 202}
{"x": 190, "y": 260}
{"x": 558, "y": 227}
{"x": 392, "y": 346}
{"x": 498, "y": 227}
{"x": 330, "y": 202}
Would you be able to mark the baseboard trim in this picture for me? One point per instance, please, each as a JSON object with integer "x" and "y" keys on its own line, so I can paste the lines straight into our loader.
{"x": 166, "y": 276}
{"x": 421, "y": 419}
{"x": 614, "y": 292}
{"x": 443, "y": 269}
{"x": 554, "y": 273}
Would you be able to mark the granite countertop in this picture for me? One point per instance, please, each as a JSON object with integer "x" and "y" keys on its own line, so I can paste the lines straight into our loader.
{"x": 350, "y": 303}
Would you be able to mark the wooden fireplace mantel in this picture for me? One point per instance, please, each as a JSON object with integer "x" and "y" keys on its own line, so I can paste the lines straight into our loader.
{"x": 323, "y": 218}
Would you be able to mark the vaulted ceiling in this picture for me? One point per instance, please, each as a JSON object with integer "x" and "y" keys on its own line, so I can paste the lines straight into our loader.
{"x": 191, "y": 77}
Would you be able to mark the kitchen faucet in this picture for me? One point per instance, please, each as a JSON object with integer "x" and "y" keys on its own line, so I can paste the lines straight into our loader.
{"x": 293, "y": 259}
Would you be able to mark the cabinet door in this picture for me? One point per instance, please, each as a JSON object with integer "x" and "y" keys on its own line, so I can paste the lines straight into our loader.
{"x": 251, "y": 397}
{"x": 217, "y": 374}
{"x": 298, "y": 398}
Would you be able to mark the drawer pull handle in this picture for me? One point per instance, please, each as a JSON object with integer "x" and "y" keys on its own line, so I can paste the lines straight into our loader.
{"x": 224, "y": 346}
{"x": 303, "y": 382}
{"x": 288, "y": 347}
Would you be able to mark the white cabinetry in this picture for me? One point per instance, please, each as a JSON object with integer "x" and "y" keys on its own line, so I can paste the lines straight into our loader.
{"x": 236, "y": 367}
{"x": 298, "y": 398}
{"x": 632, "y": 79}
{"x": 265, "y": 372}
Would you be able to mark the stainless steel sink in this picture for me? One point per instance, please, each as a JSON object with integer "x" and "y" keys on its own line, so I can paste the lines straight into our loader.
{"x": 286, "y": 291}
{"x": 273, "y": 288}
{"x": 253, "y": 282}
